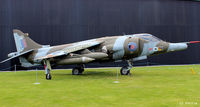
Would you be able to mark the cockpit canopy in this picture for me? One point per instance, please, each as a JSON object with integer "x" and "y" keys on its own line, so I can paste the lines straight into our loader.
{"x": 147, "y": 37}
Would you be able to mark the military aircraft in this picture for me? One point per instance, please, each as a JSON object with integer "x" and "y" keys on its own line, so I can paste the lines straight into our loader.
{"x": 131, "y": 48}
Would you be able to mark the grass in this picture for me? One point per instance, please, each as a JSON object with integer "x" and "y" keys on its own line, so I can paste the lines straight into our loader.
{"x": 166, "y": 86}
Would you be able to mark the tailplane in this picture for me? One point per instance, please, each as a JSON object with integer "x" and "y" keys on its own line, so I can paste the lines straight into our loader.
{"x": 25, "y": 46}
{"x": 23, "y": 42}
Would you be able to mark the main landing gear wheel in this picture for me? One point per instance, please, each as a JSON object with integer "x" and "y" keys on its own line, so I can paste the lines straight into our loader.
{"x": 125, "y": 71}
{"x": 77, "y": 71}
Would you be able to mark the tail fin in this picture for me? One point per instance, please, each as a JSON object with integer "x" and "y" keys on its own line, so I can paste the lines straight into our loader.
{"x": 23, "y": 42}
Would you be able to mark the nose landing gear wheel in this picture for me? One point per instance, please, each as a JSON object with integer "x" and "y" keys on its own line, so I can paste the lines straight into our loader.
{"x": 124, "y": 71}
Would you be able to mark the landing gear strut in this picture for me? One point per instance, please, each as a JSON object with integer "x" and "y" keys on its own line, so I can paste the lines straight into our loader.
{"x": 78, "y": 70}
{"x": 47, "y": 69}
{"x": 126, "y": 69}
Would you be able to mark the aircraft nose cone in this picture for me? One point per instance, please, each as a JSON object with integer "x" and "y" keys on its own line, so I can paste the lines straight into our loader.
{"x": 177, "y": 47}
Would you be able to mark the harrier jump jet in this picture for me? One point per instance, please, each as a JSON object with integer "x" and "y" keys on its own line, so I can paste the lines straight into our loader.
{"x": 113, "y": 48}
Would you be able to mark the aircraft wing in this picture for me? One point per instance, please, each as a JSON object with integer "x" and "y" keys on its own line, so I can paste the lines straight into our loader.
{"x": 81, "y": 45}
{"x": 52, "y": 55}
{"x": 73, "y": 48}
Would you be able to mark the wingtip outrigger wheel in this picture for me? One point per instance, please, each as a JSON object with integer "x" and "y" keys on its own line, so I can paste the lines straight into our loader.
{"x": 47, "y": 67}
{"x": 48, "y": 75}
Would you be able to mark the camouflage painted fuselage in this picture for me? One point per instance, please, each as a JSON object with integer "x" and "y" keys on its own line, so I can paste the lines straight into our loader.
{"x": 109, "y": 49}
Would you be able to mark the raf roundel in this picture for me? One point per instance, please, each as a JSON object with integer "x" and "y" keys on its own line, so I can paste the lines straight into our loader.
{"x": 132, "y": 46}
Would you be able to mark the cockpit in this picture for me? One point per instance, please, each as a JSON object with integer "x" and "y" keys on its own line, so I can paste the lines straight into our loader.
{"x": 147, "y": 37}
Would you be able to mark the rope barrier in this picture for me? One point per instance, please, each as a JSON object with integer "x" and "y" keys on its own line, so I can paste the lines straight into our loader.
{"x": 7, "y": 68}
{"x": 15, "y": 67}
{"x": 40, "y": 66}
